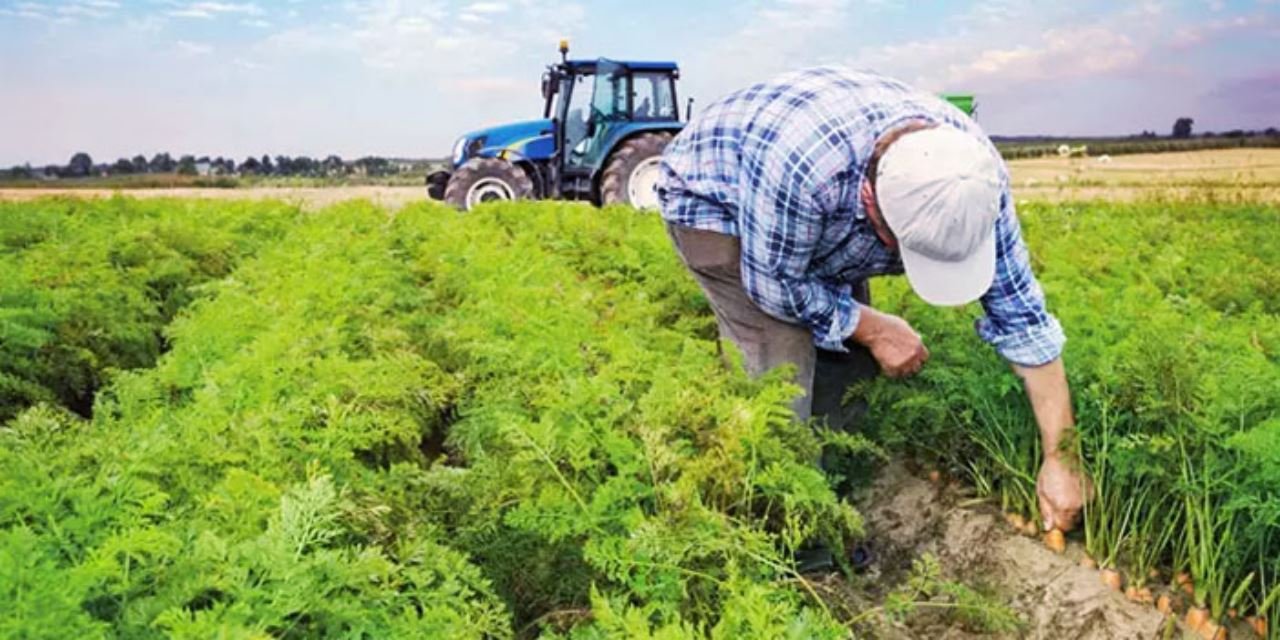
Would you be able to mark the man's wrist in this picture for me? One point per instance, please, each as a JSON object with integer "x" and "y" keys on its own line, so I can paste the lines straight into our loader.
{"x": 868, "y": 327}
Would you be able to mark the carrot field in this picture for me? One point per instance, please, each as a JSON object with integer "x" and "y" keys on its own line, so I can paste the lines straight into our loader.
{"x": 236, "y": 419}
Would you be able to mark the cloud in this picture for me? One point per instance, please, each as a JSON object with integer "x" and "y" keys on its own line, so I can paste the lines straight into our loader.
{"x": 188, "y": 48}
{"x": 397, "y": 37}
{"x": 487, "y": 7}
{"x": 209, "y": 10}
{"x": 1192, "y": 36}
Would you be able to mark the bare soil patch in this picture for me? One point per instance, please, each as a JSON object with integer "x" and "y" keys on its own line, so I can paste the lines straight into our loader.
{"x": 1052, "y": 594}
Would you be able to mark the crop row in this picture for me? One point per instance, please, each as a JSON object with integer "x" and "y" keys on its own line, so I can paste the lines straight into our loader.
{"x": 1173, "y": 322}
{"x": 87, "y": 286}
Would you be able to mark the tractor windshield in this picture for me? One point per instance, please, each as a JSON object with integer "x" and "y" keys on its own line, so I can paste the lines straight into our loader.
{"x": 610, "y": 99}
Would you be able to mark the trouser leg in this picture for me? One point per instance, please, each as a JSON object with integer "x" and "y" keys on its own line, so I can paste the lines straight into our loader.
{"x": 765, "y": 342}
{"x": 835, "y": 373}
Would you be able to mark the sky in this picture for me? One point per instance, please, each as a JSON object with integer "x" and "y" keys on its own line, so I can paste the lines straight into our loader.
{"x": 403, "y": 79}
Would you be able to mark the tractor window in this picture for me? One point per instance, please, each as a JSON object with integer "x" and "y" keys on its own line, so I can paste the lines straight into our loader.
{"x": 610, "y": 99}
{"x": 652, "y": 97}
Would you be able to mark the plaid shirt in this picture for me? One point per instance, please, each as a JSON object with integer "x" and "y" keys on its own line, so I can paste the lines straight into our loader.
{"x": 780, "y": 165}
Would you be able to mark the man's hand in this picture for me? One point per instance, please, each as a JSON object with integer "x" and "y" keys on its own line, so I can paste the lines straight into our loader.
{"x": 1063, "y": 489}
{"x": 896, "y": 347}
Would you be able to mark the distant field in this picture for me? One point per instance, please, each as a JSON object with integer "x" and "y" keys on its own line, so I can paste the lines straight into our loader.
{"x": 1231, "y": 175}
{"x": 1017, "y": 149}
{"x": 1222, "y": 174}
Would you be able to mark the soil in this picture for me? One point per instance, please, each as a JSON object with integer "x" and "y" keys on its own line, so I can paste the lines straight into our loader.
{"x": 1055, "y": 597}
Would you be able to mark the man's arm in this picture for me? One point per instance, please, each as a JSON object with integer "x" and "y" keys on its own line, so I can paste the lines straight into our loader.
{"x": 1062, "y": 487}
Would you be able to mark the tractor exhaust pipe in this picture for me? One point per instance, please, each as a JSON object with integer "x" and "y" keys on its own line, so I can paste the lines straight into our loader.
{"x": 564, "y": 50}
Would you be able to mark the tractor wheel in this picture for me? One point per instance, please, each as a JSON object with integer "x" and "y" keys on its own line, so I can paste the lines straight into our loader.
{"x": 631, "y": 176}
{"x": 486, "y": 180}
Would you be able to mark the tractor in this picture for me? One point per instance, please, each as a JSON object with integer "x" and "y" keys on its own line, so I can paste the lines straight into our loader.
{"x": 603, "y": 129}
{"x": 604, "y": 126}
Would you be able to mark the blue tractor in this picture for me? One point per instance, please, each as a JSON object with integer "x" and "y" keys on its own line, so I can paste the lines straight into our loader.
{"x": 603, "y": 129}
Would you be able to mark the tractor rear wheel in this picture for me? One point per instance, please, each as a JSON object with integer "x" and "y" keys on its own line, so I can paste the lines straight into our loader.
{"x": 631, "y": 176}
{"x": 486, "y": 180}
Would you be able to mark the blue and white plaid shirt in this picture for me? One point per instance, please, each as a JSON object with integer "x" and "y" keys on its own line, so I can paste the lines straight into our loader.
{"x": 780, "y": 165}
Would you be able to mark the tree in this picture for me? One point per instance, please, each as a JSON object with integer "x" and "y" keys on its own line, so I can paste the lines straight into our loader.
{"x": 80, "y": 165}
{"x": 250, "y": 166}
{"x": 20, "y": 171}
{"x": 139, "y": 164}
{"x": 333, "y": 165}
{"x": 267, "y": 168}
{"x": 122, "y": 167}
{"x": 1182, "y": 127}
{"x": 162, "y": 163}
{"x": 187, "y": 166}
{"x": 1271, "y": 131}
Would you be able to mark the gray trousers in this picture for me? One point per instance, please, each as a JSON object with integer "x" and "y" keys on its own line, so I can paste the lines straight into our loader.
{"x": 766, "y": 342}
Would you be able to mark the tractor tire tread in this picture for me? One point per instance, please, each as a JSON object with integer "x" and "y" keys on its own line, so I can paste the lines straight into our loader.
{"x": 613, "y": 182}
{"x": 455, "y": 193}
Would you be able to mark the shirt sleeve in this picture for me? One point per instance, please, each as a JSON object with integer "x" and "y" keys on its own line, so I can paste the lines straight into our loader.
{"x": 781, "y": 219}
{"x": 1016, "y": 322}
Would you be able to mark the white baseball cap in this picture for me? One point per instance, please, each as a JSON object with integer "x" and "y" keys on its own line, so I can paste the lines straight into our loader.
{"x": 939, "y": 192}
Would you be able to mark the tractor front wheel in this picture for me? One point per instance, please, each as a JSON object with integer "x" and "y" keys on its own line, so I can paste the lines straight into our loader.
{"x": 486, "y": 180}
{"x": 631, "y": 177}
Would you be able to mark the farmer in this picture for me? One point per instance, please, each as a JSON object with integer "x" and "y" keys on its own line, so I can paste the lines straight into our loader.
{"x": 784, "y": 197}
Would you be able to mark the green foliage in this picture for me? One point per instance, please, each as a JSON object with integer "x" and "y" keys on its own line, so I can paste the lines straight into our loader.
{"x": 426, "y": 425}
{"x": 86, "y": 287}
{"x": 1173, "y": 323}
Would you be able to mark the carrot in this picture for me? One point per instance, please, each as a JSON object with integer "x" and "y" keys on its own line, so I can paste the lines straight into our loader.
{"x": 1211, "y": 630}
{"x": 1164, "y": 604}
{"x": 1196, "y": 617}
{"x": 1088, "y": 562}
{"x": 1056, "y": 542}
{"x": 935, "y": 476}
{"x": 1112, "y": 578}
{"x": 1259, "y": 625}
{"x": 1140, "y": 595}
{"x": 1184, "y": 580}
{"x": 1032, "y": 530}
{"x": 1015, "y": 520}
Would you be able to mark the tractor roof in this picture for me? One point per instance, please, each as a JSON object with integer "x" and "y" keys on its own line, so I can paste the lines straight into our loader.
{"x": 635, "y": 65}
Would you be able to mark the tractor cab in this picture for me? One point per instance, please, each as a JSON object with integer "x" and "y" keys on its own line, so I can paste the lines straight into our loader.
{"x": 597, "y": 103}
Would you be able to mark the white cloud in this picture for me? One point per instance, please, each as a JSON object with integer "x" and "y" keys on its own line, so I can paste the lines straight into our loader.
{"x": 487, "y": 7}
{"x": 188, "y": 48}
{"x": 209, "y": 10}
{"x": 394, "y": 36}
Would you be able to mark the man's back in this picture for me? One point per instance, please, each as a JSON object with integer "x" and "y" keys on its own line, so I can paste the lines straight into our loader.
{"x": 822, "y": 122}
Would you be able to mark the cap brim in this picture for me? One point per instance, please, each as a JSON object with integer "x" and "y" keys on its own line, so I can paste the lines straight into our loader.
{"x": 949, "y": 284}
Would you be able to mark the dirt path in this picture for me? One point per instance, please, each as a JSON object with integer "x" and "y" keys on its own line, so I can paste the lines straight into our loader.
{"x": 1054, "y": 596}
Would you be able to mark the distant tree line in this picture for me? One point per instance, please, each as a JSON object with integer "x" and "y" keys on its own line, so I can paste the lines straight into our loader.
{"x": 81, "y": 165}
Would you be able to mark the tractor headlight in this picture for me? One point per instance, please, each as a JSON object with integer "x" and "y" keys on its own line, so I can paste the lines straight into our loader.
{"x": 467, "y": 148}
{"x": 459, "y": 148}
